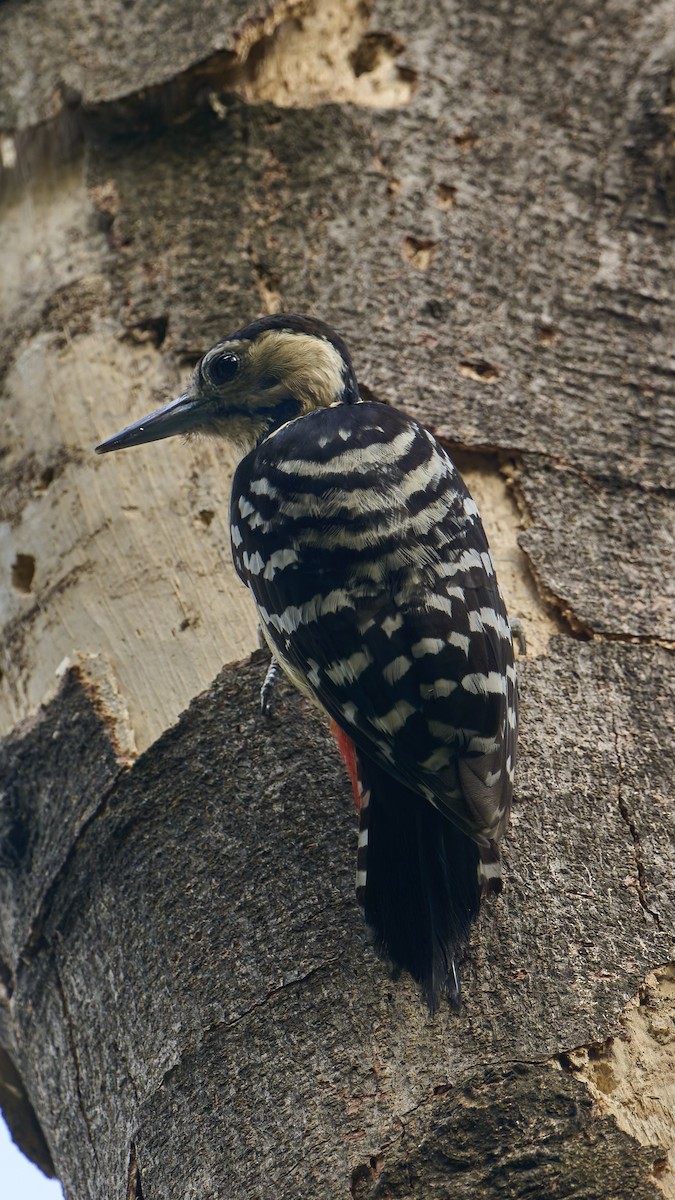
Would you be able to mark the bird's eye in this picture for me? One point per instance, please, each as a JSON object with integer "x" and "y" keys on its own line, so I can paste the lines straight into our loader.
{"x": 220, "y": 369}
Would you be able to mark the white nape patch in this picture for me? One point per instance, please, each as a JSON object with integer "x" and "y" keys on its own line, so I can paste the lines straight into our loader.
{"x": 359, "y": 460}
{"x": 396, "y": 669}
{"x": 237, "y": 539}
{"x": 348, "y": 670}
{"x": 263, "y": 487}
{"x": 396, "y": 718}
{"x": 427, "y": 646}
{"x": 494, "y": 683}
{"x": 390, "y": 624}
{"x": 253, "y": 563}
{"x": 437, "y": 689}
{"x": 350, "y": 712}
{"x": 471, "y": 508}
{"x": 278, "y": 561}
{"x": 487, "y": 617}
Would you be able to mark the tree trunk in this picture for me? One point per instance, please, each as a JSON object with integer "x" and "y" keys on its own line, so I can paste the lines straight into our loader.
{"x": 481, "y": 198}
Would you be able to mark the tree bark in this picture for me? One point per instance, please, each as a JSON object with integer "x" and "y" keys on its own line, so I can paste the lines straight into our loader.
{"x": 480, "y": 197}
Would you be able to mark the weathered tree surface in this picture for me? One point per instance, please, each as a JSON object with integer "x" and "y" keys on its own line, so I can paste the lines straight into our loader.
{"x": 481, "y": 197}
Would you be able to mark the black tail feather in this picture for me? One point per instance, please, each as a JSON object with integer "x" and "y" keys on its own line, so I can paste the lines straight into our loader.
{"x": 421, "y": 888}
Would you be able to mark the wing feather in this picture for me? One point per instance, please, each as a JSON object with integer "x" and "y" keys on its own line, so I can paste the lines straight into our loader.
{"x": 394, "y": 622}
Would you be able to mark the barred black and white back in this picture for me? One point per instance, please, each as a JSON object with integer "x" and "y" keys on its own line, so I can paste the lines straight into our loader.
{"x": 376, "y": 591}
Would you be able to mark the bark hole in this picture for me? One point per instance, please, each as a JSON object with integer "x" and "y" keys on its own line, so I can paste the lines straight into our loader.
{"x": 23, "y": 572}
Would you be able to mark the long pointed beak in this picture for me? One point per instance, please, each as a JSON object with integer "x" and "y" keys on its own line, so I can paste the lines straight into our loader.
{"x": 178, "y": 416}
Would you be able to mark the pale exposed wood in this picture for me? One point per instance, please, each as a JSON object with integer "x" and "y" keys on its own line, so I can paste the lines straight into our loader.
{"x": 503, "y": 524}
{"x": 133, "y": 560}
{"x": 130, "y": 561}
{"x": 319, "y": 54}
{"x": 633, "y": 1075}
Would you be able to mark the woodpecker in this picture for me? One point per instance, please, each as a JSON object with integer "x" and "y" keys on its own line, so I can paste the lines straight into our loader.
{"x": 376, "y": 593}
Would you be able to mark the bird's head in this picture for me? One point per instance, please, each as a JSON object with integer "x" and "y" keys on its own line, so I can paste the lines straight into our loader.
{"x": 253, "y": 381}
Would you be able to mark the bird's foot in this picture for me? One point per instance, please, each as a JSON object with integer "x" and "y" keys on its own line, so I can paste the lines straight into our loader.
{"x": 518, "y": 632}
{"x": 268, "y": 687}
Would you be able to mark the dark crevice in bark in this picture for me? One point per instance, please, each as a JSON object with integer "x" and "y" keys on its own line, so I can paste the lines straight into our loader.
{"x": 560, "y": 606}
{"x": 628, "y": 817}
{"x": 283, "y": 987}
{"x": 134, "y": 1188}
{"x": 627, "y": 639}
{"x": 75, "y": 1056}
{"x": 7, "y": 981}
{"x": 557, "y": 608}
{"x": 507, "y": 464}
{"x": 34, "y": 941}
{"x": 214, "y": 1027}
{"x": 134, "y": 1185}
{"x": 596, "y": 480}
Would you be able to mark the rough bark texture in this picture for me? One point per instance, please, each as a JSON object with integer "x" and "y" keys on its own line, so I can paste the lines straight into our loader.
{"x": 481, "y": 198}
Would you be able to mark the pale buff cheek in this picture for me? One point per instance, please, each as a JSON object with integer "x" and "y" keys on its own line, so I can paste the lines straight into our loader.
{"x": 310, "y": 367}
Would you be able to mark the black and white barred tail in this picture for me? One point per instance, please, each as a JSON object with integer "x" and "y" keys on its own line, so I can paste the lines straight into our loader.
{"x": 417, "y": 881}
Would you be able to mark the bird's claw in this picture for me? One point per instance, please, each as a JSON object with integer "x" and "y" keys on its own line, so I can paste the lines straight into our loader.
{"x": 518, "y": 632}
{"x": 268, "y": 687}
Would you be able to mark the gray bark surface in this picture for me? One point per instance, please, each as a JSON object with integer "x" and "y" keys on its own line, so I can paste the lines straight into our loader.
{"x": 198, "y": 950}
{"x": 480, "y": 197}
